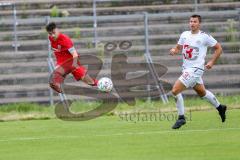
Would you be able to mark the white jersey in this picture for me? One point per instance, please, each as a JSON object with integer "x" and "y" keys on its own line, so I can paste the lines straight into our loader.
{"x": 195, "y": 48}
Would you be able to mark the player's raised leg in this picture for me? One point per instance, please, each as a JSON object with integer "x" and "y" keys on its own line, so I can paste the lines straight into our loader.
{"x": 210, "y": 97}
{"x": 90, "y": 81}
{"x": 80, "y": 73}
{"x": 57, "y": 78}
{"x": 178, "y": 87}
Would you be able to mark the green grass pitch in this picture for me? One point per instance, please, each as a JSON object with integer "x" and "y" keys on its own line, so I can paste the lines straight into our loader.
{"x": 112, "y": 138}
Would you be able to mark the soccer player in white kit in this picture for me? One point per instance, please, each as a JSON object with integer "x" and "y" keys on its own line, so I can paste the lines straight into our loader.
{"x": 193, "y": 45}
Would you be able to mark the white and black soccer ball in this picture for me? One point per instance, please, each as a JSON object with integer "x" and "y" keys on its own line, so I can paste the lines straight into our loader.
{"x": 105, "y": 84}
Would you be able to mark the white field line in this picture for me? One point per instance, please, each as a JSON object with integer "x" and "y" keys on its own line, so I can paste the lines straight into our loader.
{"x": 170, "y": 131}
{"x": 118, "y": 134}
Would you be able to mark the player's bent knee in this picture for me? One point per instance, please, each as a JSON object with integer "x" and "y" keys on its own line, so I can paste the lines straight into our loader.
{"x": 56, "y": 87}
{"x": 202, "y": 94}
{"x": 174, "y": 91}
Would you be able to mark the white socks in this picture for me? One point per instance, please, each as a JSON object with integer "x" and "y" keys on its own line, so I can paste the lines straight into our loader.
{"x": 211, "y": 99}
{"x": 179, "y": 104}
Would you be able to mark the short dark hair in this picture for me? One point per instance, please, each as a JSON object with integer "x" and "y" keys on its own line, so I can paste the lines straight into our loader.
{"x": 51, "y": 26}
{"x": 197, "y": 16}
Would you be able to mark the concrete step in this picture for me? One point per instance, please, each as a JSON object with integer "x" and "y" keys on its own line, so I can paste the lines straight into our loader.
{"x": 42, "y": 66}
{"x": 41, "y": 4}
{"x": 30, "y": 78}
{"x": 136, "y": 48}
{"x": 33, "y": 56}
{"x": 41, "y": 56}
{"x": 126, "y": 9}
{"x": 106, "y": 28}
{"x": 211, "y": 80}
{"x": 23, "y": 67}
{"x": 46, "y": 99}
{"x": 28, "y": 62}
{"x": 117, "y": 21}
{"x": 19, "y": 91}
{"x": 21, "y": 78}
{"x": 25, "y": 56}
{"x": 38, "y": 92}
{"x": 154, "y": 38}
{"x": 40, "y": 100}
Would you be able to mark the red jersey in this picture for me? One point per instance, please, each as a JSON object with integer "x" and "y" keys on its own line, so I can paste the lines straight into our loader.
{"x": 61, "y": 47}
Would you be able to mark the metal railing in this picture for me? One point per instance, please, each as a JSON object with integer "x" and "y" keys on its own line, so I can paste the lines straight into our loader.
{"x": 15, "y": 23}
{"x": 151, "y": 67}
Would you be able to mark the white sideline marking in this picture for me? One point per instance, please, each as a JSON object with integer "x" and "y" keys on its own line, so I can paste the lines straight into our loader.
{"x": 117, "y": 134}
{"x": 170, "y": 131}
{"x": 37, "y": 138}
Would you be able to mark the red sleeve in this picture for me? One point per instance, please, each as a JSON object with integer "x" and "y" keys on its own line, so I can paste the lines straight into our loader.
{"x": 66, "y": 43}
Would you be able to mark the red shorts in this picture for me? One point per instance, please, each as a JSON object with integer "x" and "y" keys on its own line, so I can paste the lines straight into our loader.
{"x": 79, "y": 72}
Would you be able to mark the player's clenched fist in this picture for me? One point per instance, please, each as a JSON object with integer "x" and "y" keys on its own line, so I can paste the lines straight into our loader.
{"x": 209, "y": 65}
{"x": 173, "y": 51}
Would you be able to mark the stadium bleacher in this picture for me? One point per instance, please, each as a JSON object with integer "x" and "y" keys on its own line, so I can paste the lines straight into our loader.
{"x": 24, "y": 75}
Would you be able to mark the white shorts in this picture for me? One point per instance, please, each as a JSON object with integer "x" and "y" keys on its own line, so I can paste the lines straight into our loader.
{"x": 191, "y": 76}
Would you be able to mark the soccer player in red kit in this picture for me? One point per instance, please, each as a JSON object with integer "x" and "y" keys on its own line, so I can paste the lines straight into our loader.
{"x": 67, "y": 60}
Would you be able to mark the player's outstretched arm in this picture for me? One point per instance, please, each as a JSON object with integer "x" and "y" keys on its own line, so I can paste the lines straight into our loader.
{"x": 216, "y": 55}
{"x": 175, "y": 50}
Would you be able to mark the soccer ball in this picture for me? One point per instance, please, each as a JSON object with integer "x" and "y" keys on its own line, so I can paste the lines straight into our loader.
{"x": 105, "y": 84}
